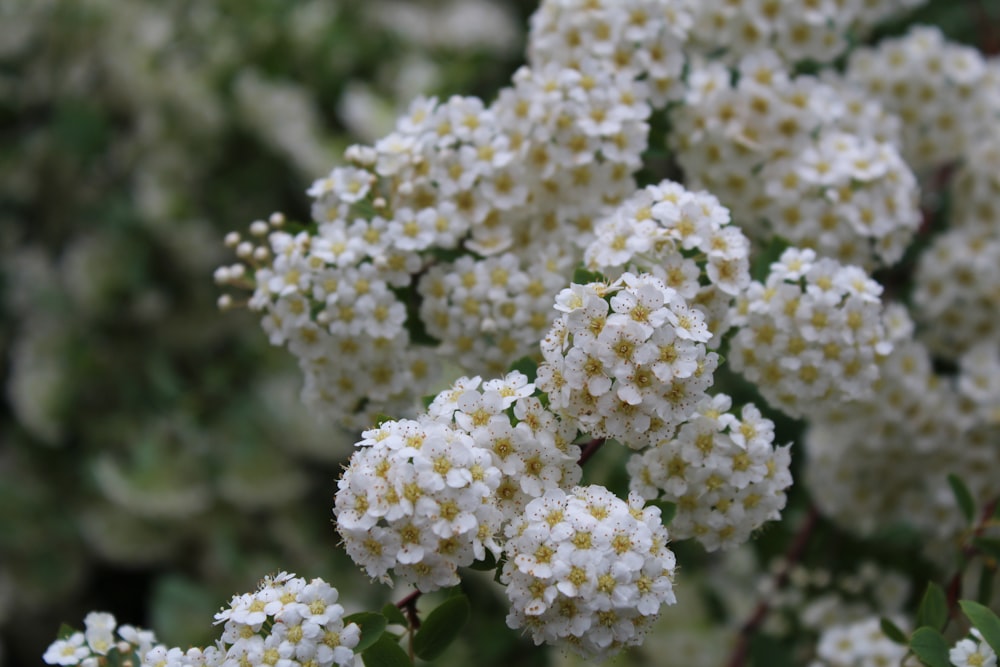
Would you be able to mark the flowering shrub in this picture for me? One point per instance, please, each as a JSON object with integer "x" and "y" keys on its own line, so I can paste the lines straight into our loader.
{"x": 691, "y": 253}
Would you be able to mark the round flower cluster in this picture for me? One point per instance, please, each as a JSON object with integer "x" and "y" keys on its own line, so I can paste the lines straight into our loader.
{"x": 684, "y": 239}
{"x": 723, "y": 473}
{"x": 957, "y": 291}
{"x": 641, "y": 38}
{"x": 815, "y": 31}
{"x": 860, "y": 644}
{"x": 423, "y": 498}
{"x": 587, "y": 570}
{"x": 812, "y": 333}
{"x": 627, "y": 359}
{"x": 868, "y": 461}
{"x": 946, "y": 94}
{"x": 415, "y": 498}
{"x": 287, "y": 621}
{"x": 976, "y": 185}
{"x": 489, "y": 312}
{"x": 529, "y": 444}
{"x": 810, "y": 162}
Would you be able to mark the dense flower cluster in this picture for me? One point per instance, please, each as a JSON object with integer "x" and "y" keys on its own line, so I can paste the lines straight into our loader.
{"x": 817, "y": 31}
{"x": 639, "y": 38}
{"x": 814, "y": 159}
{"x": 287, "y": 621}
{"x": 886, "y": 458}
{"x": 946, "y": 94}
{"x": 423, "y": 498}
{"x": 627, "y": 359}
{"x": 812, "y": 333}
{"x": 587, "y": 570}
{"x": 723, "y": 473}
{"x": 684, "y": 239}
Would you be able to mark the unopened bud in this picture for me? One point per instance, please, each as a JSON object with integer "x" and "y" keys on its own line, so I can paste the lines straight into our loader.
{"x": 225, "y": 302}
{"x": 232, "y": 238}
{"x": 244, "y": 249}
{"x": 259, "y": 228}
{"x": 277, "y": 219}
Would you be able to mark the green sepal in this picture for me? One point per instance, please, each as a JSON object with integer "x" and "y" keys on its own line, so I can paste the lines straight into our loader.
{"x": 372, "y": 626}
{"x": 66, "y": 631}
{"x": 385, "y": 652}
{"x": 441, "y": 627}
{"x": 394, "y": 615}
{"x": 931, "y": 647}
{"x": 892, "y": 631}
{"x": 984, "y": 620}
{"x": 933, "y": 611}
{"x": 963, "y": 497}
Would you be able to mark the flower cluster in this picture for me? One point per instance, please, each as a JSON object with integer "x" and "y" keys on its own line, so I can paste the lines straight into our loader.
{"x": 813, "y": 159}
{"x": 426, "y": 497}
{"x": 684, "y": 239}
{"x": 887, "y": 458}
{"x": 810, "y": 334}
{"x": 640, "y": 38}
{"x": 818, "y": 31}
{"x": 946, "y": 94}
{"x": 860, "y": 644}
{"x": 723, "y": 473}
{"x": 287, "y": 621}
{"x": 587, "y": 570}
{"x": 627, "y": 359}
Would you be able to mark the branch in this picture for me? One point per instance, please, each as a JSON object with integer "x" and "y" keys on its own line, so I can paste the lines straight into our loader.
{"x": 409, "y": 605}
{"x": 589, "y": 449}
{"x": 795, "y": 550}
{"x": 954, "y": 589}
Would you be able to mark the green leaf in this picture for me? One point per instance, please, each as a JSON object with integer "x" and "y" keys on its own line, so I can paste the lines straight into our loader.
{"x": 984, "y": 620}
{"x": 372, "y": 626}
{"x": 526, "y": 365}
{"x": 582, "y": 277}
{"x": 933, "y": 611}
{"x": 441, "y": 627}
{"x": 427, "y": 400}
{"x": 116, "y": 658}
{"x": 394, "y": 615}
{"x": 984, "y": 592}
{"x": 931, "y": 647}
{"x": 385, "y": 652}
{"x": 65, "y": 631}
{"x": 487, "y": 564}
{"x": 988, "y": 545}
{"x": 892, "y": 631}
{"x": 963, "y": 497}
{"x": 382, "y": 418}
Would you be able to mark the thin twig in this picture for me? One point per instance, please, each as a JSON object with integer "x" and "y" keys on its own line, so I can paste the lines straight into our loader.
{"x": 795, "y": 550}
{"x": 409, "y": 605}
{"x": 589, "y": 449}
{"x": 969, "y": 550}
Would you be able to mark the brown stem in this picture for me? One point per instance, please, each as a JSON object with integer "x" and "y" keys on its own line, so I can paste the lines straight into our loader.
{"x": 589, "y": 449}
{"x": 409, "y": 605}
{"x": 969, "y": 550}
{"x": 795, "y": 550}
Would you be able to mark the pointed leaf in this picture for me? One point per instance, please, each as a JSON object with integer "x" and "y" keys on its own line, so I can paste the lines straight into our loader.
{"x": 963, "y": 497}
{"x": 892, "y": 631}
{"x": 394, "y": 615}
{"x": 441, "y": 627}
{"x": 933, "y": 611}
{"x": 385, "y": 652}
{"x": 984, "y": 620}
{"x": 372, "y": 626}
{"x": 931, "y": 647}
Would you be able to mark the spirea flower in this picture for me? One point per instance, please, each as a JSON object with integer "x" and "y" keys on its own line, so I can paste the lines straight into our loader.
{"x": 587, "y": 570}
{"x": 810, "y": 334}
{"x": 722, "y": 471}
{"x": 627, "y": 359}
